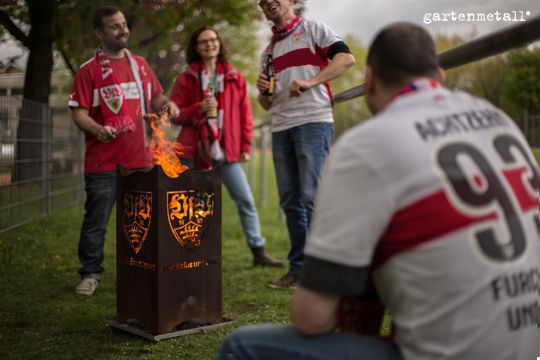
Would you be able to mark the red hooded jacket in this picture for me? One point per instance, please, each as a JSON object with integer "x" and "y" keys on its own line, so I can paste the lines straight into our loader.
{"x": 237, "y": 117}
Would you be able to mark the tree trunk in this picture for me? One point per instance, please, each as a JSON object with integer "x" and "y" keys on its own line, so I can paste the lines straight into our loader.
{"x": 34, "y": 120}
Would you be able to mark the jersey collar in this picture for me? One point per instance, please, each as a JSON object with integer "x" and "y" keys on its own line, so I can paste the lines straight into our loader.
{"x": 418, "y": 85}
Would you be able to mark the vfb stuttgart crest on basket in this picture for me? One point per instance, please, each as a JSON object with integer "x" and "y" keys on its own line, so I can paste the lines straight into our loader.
{"x": 189, "y": 213}
{"x": 136, "y": 216}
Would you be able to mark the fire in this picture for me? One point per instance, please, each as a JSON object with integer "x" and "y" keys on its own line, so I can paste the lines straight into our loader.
{"x": 165, "y": 153}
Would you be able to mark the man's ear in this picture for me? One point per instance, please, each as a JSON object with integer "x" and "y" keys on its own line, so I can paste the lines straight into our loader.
{"x": 442, "y": 75}
{"x": 370, "y": 81}
{"x": 99, "y": 33}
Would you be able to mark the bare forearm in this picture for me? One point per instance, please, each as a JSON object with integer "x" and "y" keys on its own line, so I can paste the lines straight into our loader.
{"x": 265, "y": 102}
{"x": 313, "y": 313}
{"x": 159, "y": 102}
{"x": 163, "y": 103}
{"x": 85, "y": 123}
{"x": 338, "y": 65}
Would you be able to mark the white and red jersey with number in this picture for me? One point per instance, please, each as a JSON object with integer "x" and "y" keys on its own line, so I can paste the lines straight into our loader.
{"x": 301, "y": 56}
{"x": 129, "y": 148}
{"x": 439, "y": 195}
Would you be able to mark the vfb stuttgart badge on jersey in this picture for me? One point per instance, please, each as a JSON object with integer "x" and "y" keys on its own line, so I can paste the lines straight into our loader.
{"x": 113, "y": 96}
{"x": 136, "y": 216}
{"x": 189, "y": 213}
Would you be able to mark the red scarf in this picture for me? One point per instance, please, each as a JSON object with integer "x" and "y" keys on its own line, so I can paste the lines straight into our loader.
{"x": 211, "y": 132}
{"x": 279, "y": 34}
{"x": 417, "y": 85}
{"x": 285, "y": 30}
{"x": 111, "y": 96}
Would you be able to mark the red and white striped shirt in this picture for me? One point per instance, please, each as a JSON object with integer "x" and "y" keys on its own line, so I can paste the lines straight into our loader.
{"x": 301, "y": 56}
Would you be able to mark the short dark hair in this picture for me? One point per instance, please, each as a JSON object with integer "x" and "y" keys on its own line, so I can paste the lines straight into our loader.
{"x": 191, "y": 50}
{"x": 402, "y": 51}
{"x": 103, "y": 12}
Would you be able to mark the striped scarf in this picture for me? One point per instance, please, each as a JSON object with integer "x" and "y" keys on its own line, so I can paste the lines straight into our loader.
{"x": 285, "y": 30}
{"x": 111, "y": 95}
{"x": 211, "y": 132}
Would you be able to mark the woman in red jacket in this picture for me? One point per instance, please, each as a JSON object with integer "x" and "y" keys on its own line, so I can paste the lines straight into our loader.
{"x": 217, "y": 126}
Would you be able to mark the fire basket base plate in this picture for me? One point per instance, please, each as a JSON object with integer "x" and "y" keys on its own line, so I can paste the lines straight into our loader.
{"x": 140, "y": 332}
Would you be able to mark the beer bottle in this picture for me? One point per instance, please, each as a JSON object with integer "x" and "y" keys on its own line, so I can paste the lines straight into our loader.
{"x": 269, "y": 72}
{"x": 211, "y": 92}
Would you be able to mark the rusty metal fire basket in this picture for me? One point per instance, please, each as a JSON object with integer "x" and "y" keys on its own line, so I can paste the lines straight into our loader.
{"x": 168, "y": 249}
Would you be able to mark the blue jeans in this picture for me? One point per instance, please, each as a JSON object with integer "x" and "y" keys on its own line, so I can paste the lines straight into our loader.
{"x": 299, "y": 154}
{"x": 273, "y": 341}
{"x": 100, "y": 197}
{"x": 235, "y": 181}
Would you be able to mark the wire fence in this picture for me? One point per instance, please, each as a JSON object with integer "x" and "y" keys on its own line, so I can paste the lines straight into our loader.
{"x": 41, "y": 159}
{"x": 260, "y": 153}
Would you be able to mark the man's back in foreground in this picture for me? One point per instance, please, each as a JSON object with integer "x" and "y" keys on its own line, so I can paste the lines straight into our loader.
{"x": 451, "y": 228}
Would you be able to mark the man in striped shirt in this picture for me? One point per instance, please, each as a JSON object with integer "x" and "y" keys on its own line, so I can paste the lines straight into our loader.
{"x": 304, "y": 55}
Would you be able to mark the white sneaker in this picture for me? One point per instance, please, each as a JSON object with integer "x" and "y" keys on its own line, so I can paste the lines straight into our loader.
{"x": 87, "y": 286}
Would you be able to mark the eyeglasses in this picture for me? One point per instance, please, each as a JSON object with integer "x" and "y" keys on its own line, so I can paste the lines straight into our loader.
{"x": 207, "y": 41}
{"x": 263, "y": 3}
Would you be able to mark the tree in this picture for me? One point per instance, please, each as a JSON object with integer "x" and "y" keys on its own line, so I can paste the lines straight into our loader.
{"x": 39, "y": 41}
{"x": 37, "y": 81}
{"x": 522, "y": 85}
{"x": 488, "y": 79}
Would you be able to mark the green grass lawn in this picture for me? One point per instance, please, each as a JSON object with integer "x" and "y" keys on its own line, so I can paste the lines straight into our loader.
{"x": 40, "y": 317}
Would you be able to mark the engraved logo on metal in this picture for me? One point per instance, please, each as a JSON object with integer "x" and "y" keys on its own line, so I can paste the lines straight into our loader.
{"x": 136, "y": 217}
{"x": 189, "y": 213}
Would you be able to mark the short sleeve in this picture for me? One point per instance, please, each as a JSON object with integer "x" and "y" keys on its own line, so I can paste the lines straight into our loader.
{"x": 352, "y": 209}
{"x": 82, "y": 90}
{"x": 156, "y": 88}
{"x": 323, "y": 35}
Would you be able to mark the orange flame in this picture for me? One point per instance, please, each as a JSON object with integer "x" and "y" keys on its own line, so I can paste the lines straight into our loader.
{"x": 165, "y": 153}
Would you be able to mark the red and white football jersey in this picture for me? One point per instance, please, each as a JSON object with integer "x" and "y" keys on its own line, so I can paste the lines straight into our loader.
{"x": 129, "y": 149}
{"x": 439, "y": 195}
{"x": 302, "y": 56}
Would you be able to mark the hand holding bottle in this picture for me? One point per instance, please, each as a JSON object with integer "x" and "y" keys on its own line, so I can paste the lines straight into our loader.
{"x": 270, "y": 77}
{"x": 209, "y": 106}
{"x": 262, "y": 83}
